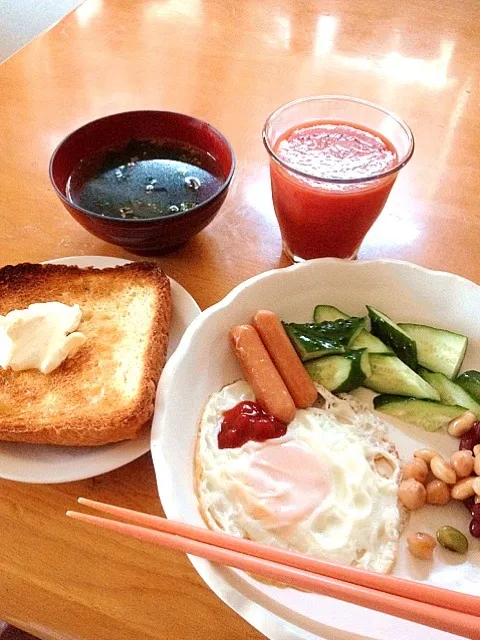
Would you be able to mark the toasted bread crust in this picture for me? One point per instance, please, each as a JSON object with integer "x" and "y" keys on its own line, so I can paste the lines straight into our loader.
{"x": 82, "y": 403}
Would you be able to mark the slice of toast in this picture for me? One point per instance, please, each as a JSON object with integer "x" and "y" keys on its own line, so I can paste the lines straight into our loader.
{"x": 105, "y": 392}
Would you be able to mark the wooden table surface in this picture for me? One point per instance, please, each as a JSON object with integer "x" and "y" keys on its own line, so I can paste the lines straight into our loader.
{"x": 230, "y": 62}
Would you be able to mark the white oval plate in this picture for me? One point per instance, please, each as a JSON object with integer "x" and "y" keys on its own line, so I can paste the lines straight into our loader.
{"x": 48, "y": 464}
{"x": 203, "y": 363}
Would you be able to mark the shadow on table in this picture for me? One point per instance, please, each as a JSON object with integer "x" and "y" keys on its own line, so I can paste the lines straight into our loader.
{"x": 8, "y": 632}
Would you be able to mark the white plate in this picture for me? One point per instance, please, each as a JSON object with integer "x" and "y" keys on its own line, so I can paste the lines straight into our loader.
{"x": 203, "y": 364}
{"x": 48, "y": 464}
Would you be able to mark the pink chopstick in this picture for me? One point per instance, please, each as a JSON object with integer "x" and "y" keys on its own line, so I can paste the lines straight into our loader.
{"x": 389, "y": 584}
{"x": 264, "y": 561}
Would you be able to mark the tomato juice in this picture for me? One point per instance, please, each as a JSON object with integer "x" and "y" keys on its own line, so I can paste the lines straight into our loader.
{"x": 340, "y": 178}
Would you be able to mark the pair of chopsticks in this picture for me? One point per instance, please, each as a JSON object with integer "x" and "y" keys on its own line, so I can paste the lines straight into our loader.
{"x": 422, "y": 603}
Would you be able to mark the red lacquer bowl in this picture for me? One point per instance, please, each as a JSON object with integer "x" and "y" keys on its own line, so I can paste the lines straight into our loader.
{"x": 150, "y": 236}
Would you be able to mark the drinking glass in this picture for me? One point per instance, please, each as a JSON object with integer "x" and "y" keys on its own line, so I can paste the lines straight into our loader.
{"x": 321, "y": 215}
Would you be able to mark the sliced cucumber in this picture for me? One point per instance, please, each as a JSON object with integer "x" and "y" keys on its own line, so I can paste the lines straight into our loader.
{"x": 450, "y": 392}
{"x": 393, "y": 336}
{"x": 327, "y": 313}
{"x": 426, "y": 414}
{"x": 365, "y": 340}
{"x": 340, "y": 373}
{"x": 313, "y": 340}
{"x": 437, "y": 349}
{"x": 309, "y": 344}
{"x": 391, "y": 375}
{"x": 470, "y": 381}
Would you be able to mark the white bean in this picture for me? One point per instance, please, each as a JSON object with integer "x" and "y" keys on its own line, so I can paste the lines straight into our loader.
{"x": 442, "y": 470}
{"x": 417, "y": 469}
{"x": 476, "y": 486}
{"x": 462, "y": 463}
{"x": 438, "y": 492}
{"x": 421, "y": 545}
{"x": 412, "y": 494}
{"x": 463, "y": 489}
{"x": 460, "y": 425}
{"x": 426, "y": 454}
{"x": 476, "y": 464}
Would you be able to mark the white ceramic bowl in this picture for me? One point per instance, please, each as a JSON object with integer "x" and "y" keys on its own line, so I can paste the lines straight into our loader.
{"x": 203, "y": 364}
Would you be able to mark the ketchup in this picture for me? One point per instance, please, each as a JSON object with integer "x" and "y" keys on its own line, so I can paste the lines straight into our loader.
{"x": 248, "y": 421}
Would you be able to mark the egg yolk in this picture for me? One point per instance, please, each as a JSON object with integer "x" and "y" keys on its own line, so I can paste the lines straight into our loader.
{"x": 284, "y": 484}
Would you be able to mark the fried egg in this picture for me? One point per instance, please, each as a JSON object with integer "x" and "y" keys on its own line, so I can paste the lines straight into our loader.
{"x": 328, "y": 487}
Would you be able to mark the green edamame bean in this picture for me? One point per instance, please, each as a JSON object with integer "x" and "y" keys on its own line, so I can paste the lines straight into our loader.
{"x": 452, "y": 539}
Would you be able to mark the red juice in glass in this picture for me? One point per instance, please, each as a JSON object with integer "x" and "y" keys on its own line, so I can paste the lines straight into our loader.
{"x": 331, "y": 177}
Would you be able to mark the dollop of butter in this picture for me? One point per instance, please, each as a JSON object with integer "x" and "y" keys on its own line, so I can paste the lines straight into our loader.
{"x": 40, "y": 337}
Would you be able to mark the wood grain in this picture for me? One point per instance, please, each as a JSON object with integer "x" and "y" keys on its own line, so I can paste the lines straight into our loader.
{"x": 230, "y": 62}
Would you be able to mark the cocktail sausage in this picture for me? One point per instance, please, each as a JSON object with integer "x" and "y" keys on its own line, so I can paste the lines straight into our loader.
{"x": 260, "y": 372}
{"x": 285, "y": 358}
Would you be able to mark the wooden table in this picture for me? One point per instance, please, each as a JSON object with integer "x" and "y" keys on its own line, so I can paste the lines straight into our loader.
{"x": 230, "y": 62}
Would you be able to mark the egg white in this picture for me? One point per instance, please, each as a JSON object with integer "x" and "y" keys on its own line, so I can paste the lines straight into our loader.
{"x": 357, "y": 522}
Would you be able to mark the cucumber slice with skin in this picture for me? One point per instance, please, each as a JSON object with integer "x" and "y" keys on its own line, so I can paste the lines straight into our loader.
{"x": 426, "y": 414}
{"x": 340, "y": 373}
{"x": 327, "y": 313}
{"x": 309, "y": 346}
{"x": 393, "y": 336}
{"x": 470, "y": 381}
{"x": 391, "y": 375}
{"x": 450, "y": 392}
{"x": 313, "y": 340}
{"x": 365, "y": 340}
{"x": 437, "y": 349}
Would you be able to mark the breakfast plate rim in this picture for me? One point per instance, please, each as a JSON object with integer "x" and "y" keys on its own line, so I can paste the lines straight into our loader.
{"x": 239, "y": 288}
